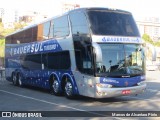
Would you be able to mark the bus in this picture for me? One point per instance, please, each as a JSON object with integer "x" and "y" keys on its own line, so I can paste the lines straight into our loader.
{"x": 93, "y": 52}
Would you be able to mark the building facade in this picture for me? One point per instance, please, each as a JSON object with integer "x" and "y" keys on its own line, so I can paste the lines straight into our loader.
{"x": 9, "y": 17}
{"x": 150, "y": 26}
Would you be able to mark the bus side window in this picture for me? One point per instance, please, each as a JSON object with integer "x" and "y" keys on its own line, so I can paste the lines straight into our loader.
{"x": 34, "y": 34}
{"x": 45, "y": 61}
{"x": 56, "y": 62}
{"x": 32, "y": 62}
{"x": 60, "y": 27}
{"x": 46, "y": 30}
{"x": 27, "y": 37}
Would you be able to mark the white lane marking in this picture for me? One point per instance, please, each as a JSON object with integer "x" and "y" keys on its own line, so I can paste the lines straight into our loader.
{"x": 52, "y": 103}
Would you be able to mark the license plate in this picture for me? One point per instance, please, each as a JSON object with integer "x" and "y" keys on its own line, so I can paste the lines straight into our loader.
{"x": 125, "y": 92}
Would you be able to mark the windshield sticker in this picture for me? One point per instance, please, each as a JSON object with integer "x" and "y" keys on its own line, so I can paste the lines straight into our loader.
{"x": 121, "y": 39}
{"x": 116, "y": 39}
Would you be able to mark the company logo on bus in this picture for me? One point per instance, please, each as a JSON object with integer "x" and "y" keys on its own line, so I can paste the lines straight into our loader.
{"x": 110, "y": 80}
{"x": 35, "y": 47}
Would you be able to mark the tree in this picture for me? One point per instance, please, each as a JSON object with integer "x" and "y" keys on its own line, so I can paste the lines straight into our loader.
{"x": 147, "y": 39}
{"x": 2, "y": 46}
{"x": 157, "y": 43}
{"x": 4, "y": 32}
{"x": 19, "y": 25}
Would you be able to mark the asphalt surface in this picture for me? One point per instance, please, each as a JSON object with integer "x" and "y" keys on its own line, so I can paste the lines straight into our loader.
{"x": 29, "y": 99}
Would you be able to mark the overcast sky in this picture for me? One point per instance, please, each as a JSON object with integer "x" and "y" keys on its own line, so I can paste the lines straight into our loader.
{"x": 139, "y": 8}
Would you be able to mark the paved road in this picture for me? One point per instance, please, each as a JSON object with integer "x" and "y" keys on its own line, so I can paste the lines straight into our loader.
{"x": 14, "y": 98}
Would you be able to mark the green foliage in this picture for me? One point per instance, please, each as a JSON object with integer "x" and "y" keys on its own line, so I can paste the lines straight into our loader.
{"x": 2, "y": 42}
{"x": 157, "y": 43}
{"x": 19, "y": 25}
{"x": 2, "y": 47}
{"x": 147, "y": 38}
{"x": 4, "y": 32}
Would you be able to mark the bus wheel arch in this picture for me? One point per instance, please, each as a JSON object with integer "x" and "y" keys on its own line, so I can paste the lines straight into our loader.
{"x": 67, "y": 86}
{"x": 54, "y": 84}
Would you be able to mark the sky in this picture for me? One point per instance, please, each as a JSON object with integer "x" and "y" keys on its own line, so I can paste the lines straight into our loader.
{"x": 139, "y": 8}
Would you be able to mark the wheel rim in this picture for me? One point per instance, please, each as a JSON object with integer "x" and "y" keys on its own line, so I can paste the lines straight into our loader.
{"x": 68, "y": 89}
{"x": 19, "y": 80}
{"x": 14, "y": 79}
{"x": 55, "y": 86}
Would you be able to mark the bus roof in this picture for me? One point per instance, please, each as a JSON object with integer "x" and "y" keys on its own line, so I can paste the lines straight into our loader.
{"x": 78, "y": 9}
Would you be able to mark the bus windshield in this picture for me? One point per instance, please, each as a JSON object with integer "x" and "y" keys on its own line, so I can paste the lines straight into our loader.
{"x": 106, "y": 22}
{"x": 121, "y": 60}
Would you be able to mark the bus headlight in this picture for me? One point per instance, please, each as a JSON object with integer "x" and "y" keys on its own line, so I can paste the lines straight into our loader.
{"x": 103, "y": 85}
{"x": 141, "y": 83}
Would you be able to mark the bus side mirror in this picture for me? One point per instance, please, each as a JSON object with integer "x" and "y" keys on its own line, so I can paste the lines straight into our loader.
{"x": 98, "y": 52}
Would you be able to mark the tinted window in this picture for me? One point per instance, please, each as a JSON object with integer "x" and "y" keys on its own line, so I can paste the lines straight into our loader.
{"x": 79, "y": 23}
{"x": 45, "y": 61}
{"x": 31, "y": 61}
{"x": 59, "y": 60}
{"x": 60, "y": 27}
{"x": 27, "y": 35}
{"x": 112, "y": 23}
{"x": 8, "y": 40}
{"x": 34, "y": 33}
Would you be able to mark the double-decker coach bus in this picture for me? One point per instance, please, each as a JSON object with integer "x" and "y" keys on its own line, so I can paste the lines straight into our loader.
{"x": 94, "y": 52}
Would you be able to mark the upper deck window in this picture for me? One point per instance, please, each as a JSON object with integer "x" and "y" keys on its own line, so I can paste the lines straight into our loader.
{"x": 60, "y": 27}
{"x": 112, "y": 23}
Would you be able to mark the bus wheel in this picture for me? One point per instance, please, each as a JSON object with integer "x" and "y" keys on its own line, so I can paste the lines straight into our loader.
{"x": 14, "y": 79}
{"x": 19, "y": 78}
{"x": 55, "y": 86}
{"x": 69, "y": 89}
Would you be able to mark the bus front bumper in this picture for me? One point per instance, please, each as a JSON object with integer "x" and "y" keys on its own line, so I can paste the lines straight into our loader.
{"x": 114, "y": 92}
